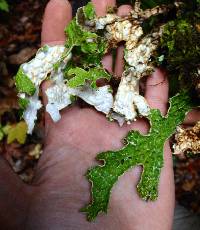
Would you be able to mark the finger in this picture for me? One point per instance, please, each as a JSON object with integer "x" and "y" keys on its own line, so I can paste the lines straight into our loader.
{"x": 48, "y": 120}
{"x": 45, "y": 86}
{"x": 101, "y": 8}
{"x": 157, "y": 97}
{"x": 157, "y": 88}
{"x": 140, "y": 125}
{"x": 192, "y": 117}
{"x": 119, "y": 62}
{"x": 107, "y": 62}
{"x": 58, "y": 14}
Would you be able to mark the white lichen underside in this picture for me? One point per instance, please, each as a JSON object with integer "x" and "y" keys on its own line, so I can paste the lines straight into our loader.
{"x": 187, "y": 140}
{"x": 127, "y": 103}
{"x": 37, "y": 71}
{"x": 39, "y": 67}
{"x": 30, "y": 115}
{"x": 59, "y": 97}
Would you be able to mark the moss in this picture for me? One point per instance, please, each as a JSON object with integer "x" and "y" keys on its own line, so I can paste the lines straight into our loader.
{"x": 180, "y": 45}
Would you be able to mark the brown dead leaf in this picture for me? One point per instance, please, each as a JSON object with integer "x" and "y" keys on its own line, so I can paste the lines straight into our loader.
{"x": 8, "y": 104}
{"x": 188, "y": 185}
{"x": 23, "y": 56}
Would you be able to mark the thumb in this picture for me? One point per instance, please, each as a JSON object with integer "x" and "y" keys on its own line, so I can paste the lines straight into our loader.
{"x": 157, "y": 91}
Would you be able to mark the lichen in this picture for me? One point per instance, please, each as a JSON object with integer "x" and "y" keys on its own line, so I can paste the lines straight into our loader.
{"x": 82, "y": 34}
{"x": 154, "y": 35}
{"x": 187, "y": 140}
{"x": 30, "y": 114}
{"x": 144, "y": 150}
{"x": 128, "y": 102}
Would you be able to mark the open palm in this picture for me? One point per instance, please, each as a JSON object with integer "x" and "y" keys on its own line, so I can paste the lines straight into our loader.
{"x": 60, "y": 189}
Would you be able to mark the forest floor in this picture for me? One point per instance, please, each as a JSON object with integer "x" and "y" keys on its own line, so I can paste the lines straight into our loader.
{"x": 19, "y": 40}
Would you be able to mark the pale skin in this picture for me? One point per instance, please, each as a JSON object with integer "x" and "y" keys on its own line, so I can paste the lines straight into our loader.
{"x": 59, "y": 188}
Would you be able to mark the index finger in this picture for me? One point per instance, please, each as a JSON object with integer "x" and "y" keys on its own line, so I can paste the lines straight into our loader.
{"x": 58, "y": 14}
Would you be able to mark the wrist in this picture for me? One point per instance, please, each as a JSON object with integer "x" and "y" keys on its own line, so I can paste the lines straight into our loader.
{"x": 14, "y": 198}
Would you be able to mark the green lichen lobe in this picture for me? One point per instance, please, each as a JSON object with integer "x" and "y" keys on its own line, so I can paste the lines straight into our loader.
{"x": 146, "y": 151}
{"x": 24, "y": 84}
{"x": 79, "y": 36}
{"x": 81, "y": 76}
{"x": 89, "y": 11}
{"x": 23, "y": 103}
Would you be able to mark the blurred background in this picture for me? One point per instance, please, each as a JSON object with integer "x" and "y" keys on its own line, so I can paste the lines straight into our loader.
{"x": 20, "y": 28}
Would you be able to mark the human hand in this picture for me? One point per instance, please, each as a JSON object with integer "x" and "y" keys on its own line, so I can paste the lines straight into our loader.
{"x": 73, "y": 142}
{"x": 60, "y": 189}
